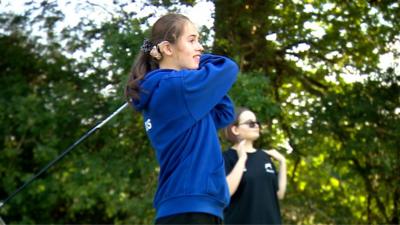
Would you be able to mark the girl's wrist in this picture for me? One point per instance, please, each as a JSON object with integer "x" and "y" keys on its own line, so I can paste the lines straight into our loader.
{"x": 242, "y": 159}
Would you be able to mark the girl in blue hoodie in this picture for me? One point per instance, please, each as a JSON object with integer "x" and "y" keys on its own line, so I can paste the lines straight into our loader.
{"x": 182, "y": 95}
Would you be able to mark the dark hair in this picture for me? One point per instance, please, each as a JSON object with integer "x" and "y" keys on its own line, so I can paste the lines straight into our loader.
{"x": 228, "y": 134}
{"x": 167, "y": 28}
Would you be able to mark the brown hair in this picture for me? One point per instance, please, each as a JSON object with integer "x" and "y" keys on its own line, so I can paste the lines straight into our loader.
{"x": 227, "y": 131}
{"x": 167, "y": 28}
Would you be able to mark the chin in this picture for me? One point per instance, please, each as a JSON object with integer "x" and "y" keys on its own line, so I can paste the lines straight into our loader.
{"x": 194, "y": 67}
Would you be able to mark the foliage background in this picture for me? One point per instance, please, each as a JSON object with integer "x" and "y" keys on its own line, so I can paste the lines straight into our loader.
{"x": 295, "y": 59}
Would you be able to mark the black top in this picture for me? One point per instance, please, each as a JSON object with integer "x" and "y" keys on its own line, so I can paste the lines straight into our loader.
{"x": 255, "y": 200}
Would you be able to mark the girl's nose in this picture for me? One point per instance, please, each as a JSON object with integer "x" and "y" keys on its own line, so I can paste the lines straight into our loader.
{"x": 200, "y": 47}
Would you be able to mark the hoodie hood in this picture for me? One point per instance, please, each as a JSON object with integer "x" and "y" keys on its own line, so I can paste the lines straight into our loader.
{"x": 147, "y": 87}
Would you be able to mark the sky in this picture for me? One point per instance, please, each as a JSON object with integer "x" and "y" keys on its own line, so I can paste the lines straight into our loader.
{"x": 102, "y": 10}
{"x": 200, "y": 14}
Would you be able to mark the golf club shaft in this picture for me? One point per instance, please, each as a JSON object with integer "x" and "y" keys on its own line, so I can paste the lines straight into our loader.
{"x": 64, "y": 153}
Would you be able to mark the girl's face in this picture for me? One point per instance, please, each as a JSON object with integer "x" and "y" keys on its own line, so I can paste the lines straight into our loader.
{"x": 247, "y": 127}
{"x": 187, "y": 49}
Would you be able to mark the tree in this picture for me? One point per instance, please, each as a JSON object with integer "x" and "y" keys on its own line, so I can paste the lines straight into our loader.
{"x": 301, "y": 47}
{"x": 292, "y": 57}
{"x": 49, "y": 99}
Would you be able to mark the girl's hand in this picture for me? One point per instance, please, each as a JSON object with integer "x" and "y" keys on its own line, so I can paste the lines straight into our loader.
{"x": 275, "y": 154}
{"x": 241, "y": 150}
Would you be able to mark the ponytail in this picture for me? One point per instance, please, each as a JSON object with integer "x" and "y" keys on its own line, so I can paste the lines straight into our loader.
{"x": 143, "y": 64}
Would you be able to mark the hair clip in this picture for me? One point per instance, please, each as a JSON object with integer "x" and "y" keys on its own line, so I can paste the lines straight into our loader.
{"x": 155, "y": 53}
{"x": 147, "y": 46}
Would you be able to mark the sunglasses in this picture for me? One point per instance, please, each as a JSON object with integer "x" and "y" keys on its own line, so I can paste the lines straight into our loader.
{"x": 251, "y": 124}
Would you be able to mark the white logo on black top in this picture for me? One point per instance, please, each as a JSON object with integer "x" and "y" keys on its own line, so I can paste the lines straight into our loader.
{"x": 147, "y": 124}
{"x": 268, "y": 168}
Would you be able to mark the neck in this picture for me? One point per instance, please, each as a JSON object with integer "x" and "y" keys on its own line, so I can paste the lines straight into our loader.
{"x": 248, "y": 146}
{"x": 166, "y": 63}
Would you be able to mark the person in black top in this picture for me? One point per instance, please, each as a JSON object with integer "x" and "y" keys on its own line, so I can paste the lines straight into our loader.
{"x": 254, "y": 184}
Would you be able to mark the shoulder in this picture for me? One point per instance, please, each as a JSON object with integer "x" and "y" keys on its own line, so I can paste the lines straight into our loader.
{"x": 215, "y": 59}
{"x": 166, "y": 76}
{"x": 166, "y": 73}
{"x": 229, "y": 153}
{"x": 230, "y": 158}
{"x": 209, "y": 56}
{"x": 263, "y": 153}
{"x": 181, "y": 74}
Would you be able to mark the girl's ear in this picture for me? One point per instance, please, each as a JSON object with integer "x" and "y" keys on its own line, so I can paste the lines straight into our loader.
{"x": 234, "y": 130}
{"x": 165, "y": 48}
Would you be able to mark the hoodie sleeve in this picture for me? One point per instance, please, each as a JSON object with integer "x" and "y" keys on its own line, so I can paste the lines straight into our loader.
{"x": 223, "y": 113}
{"x": 205, "y": 88}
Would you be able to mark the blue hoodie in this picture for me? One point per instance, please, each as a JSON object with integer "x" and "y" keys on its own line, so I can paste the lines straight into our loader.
{"x": 182, "y": 111}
